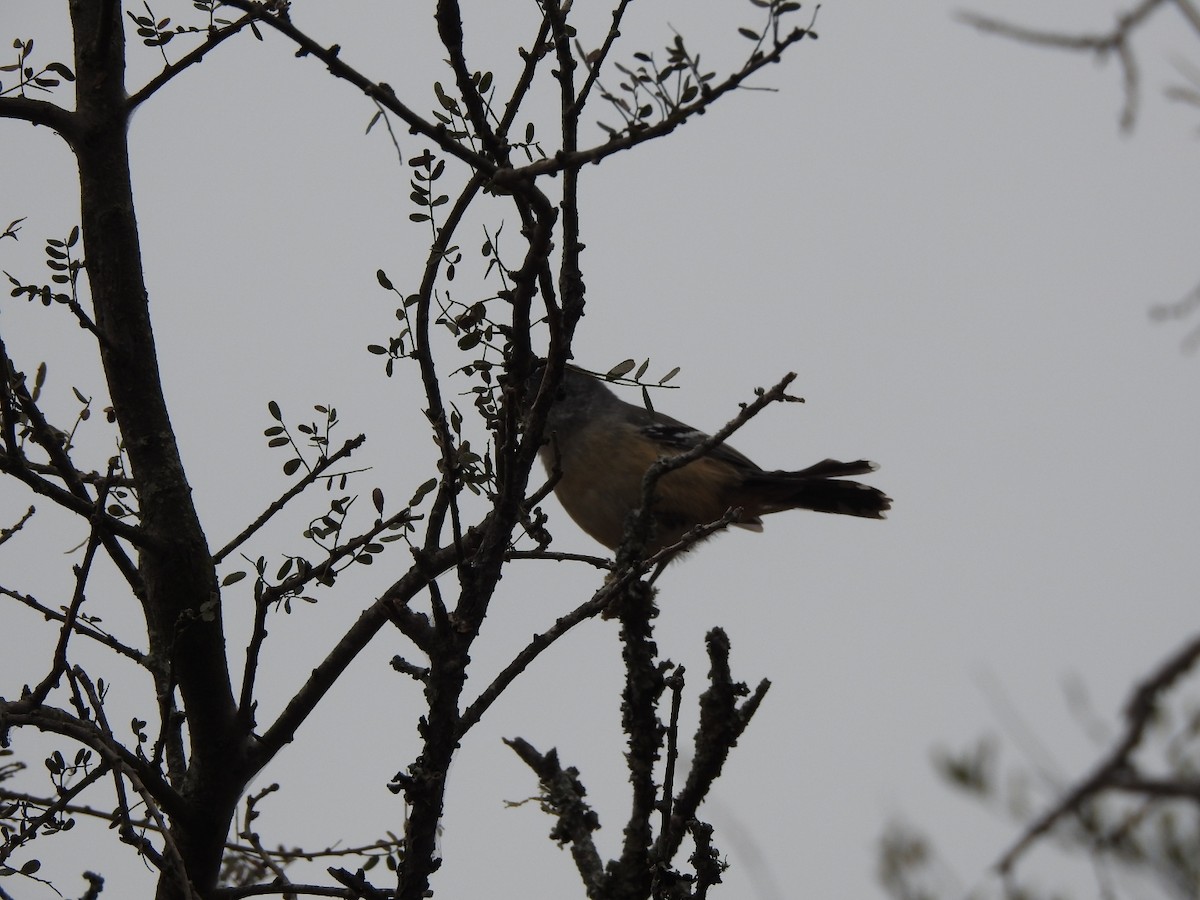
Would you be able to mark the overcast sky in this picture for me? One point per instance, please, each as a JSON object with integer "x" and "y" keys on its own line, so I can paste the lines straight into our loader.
{"x": 944, "y": 234}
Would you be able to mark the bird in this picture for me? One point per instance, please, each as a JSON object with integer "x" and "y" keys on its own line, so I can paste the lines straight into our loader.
{"x": 599, "y": 448}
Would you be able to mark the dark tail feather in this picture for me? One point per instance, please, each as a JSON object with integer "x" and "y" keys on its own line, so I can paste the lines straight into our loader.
{"x": 818, "y": 488}
{"x": 832, "y": 468}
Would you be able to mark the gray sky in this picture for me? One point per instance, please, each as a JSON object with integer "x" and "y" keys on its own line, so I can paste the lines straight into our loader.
{"x": 943, "y": 234}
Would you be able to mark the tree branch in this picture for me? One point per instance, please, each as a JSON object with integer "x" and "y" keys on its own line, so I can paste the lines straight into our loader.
{"x": 20, "y": 713}
{"x": 1115, "y": 41}
{"x": 289, "y": 585}
{"x": 377, "y": 91}
{"x": 59, "y": 664}
{"x": 563, "y": 161}
{"x": 215, "y": 37}
{"x": 575, "y": 819}
{"x": 41, "y": 112}
{"x": 638, "y": 529}
{"x": 1139, "y": 712}
{"x": 9, "y": 531}
{"x": 81, "y": 628}
{"x": 322, "y": 465}
{"x": 283, "y": 729}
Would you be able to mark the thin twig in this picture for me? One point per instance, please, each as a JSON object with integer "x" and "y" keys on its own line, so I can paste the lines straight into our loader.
{"x": 6, "y": 533}
{"x": 83, "y": 628}
{"x": 59, "y": 665}
{"x": 638, "y": 530}
{"x": 322, "y": 465}
{"x": 377, "y": 91}
{"x": 215, "y": 37}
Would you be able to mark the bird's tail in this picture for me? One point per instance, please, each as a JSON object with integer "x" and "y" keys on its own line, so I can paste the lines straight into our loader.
{"x": 819, "y": 488}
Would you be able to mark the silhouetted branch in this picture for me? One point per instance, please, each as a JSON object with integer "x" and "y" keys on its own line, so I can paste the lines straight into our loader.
{"x": 82, "y": 628}
{"x": 6, "y": 533}
{"x": 638, "y": 529}
{"x": 188, "y": 60}
{"x": 313, "y": 474}
{"x": 377, "y": 91}
{"x": 722, "y": 721}
{"x": 39, "y": 112}
{"x": 575, "y": 819}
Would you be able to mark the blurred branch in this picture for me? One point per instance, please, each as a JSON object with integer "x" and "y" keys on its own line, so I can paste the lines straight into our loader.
{"x": 1116, "y": 41}
{"x": 1117, "y": 770}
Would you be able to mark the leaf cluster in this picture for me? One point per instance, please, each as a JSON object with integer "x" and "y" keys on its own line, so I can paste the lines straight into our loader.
{"x": 44, "y": 79}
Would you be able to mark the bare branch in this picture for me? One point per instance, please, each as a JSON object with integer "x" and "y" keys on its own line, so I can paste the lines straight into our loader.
{"x": 722, "y": 721}
{"x": 540, "y": 642}
{"x": 59, "y": 665}
{"x": 595, "y": 60}
{"x": 638, "y": 529}
{"x": 83, "y": 628}
{"x": 348, "y": 647}
{"x": 40, "y": 112}
{"x": 8, "y": 532}
{"x": 576, "y": 820}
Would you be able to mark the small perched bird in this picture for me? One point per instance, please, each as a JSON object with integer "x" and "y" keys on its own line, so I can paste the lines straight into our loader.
{"x": 602, "y": 446}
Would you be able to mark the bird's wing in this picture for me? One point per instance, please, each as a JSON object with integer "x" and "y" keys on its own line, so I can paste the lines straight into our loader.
{"x": 674, "y": 438}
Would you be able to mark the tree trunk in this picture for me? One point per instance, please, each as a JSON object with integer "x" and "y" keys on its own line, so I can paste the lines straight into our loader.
{"x": 179, "y": 591}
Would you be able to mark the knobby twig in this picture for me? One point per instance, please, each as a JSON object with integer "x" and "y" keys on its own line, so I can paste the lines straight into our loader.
{"x": 83, "y": 628}
{"x": 6, "y": 533}
{"x": 563, "y": 797}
